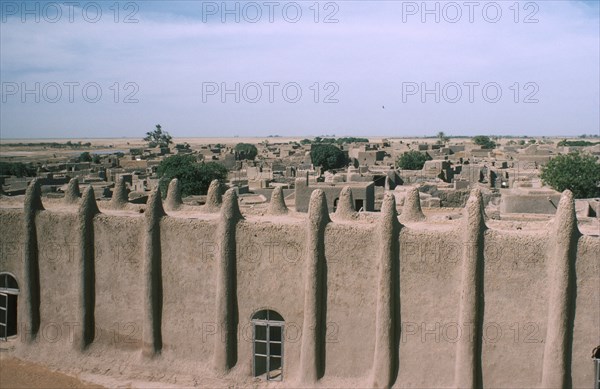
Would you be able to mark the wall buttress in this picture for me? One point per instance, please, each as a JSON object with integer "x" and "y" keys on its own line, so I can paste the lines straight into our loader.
{"x": 467, "y": 367}
{"x": 225, "y": 354}
{"x": 312, "y": 351}
{"x": 385, "y": 360}
{"x": 556, "y": 371}
{"x": 33, "y": 204}
{"x": 87, "y": 301}
{"x": 152, "y": 327}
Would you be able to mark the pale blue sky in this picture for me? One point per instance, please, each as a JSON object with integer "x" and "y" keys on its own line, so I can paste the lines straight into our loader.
{"x": 366, "y": 60}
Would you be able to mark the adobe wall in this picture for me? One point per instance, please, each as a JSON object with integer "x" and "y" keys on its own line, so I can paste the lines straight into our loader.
{"x": 529, "y": 203}
{"x": 366, "y": 302}
{"x": 360, "y": 191}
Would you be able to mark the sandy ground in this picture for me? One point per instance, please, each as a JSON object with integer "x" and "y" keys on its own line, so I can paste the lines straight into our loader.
{"x": 137, "y": 141}
{"x": 15, "y": 374}
{"x": 106, "y": 145}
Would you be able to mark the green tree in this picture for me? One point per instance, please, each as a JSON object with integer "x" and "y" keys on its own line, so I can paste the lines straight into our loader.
{"x": 412, "y": 160}
{"x": 442, "y": 138}
{"x": 85, "y": 157}
{"x": 18, "y": 169}
{"x": 194, "y": 177}
{"x": 246, "y": 151}
{"x": 327, "y": 156}
{"x": 158, "y": 137}
{"x": 578, "y": 172}
{"x": 484, "y": 141}
{"x": 351, "y": 139}
{"x": 580, "y": 143}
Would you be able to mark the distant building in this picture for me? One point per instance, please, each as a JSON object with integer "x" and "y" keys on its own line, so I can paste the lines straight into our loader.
{"x": 363, "y": 194}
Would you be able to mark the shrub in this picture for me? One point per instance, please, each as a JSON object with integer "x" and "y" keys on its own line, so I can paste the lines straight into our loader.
{"x": 194, "y": 177}
{"x": 246, "y": 151}
{"x": 412, "y": 160}
{"x": 578, "y": 172}
{"x": 327, "y": 156}
{"x": 484, "y": 141}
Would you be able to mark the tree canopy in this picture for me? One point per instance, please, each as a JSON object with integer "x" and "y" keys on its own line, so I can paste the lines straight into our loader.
{"x": 158, "y": 138}
{"x": 484, "y": 141}
{"x": 18, "y": 169}
{"x": 582, "y": 143}
{"x": 578, "y": 172}
{"x": 327, "y": 156}
{"x": 85, "y": 157}
{"x": 246, "y": 151}
{"x": 412, "y": 160}
{"x": 339, "y": 141}
{"x": 442, "y": 138}
{"x": 194, "y": 178}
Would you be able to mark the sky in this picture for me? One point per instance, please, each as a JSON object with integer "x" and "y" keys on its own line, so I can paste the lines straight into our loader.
{"x": 305, "y": 68}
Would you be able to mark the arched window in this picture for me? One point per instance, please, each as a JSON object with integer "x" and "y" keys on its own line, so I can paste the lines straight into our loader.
{"x": 9, "y": 290}
{"x": 267, "y": 330}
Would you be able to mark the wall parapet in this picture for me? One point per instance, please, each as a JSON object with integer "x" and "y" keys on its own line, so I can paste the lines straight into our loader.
{"x": 356, "y": 295}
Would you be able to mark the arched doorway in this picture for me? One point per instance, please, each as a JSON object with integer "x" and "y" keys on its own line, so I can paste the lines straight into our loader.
{"x": 267, "y": 345}
{"x": 9, "y": 291}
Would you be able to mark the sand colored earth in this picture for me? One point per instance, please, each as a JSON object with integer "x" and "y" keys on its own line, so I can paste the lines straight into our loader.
{"x": 15, "y": 374}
